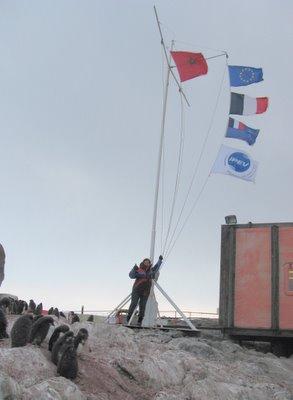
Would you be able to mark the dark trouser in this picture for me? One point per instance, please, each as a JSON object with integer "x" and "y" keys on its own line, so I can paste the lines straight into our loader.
{"x": 136, "y": 296}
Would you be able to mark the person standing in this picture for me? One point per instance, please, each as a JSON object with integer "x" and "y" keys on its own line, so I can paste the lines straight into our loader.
{"x": 143, "y": 276}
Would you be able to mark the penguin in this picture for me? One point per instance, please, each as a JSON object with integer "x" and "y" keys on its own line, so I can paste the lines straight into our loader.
{"x": 62, "y": 314}
{"x": 5, "y": 305}
{"x": 81, "y": 337}
{"x": 60, "y": 329}
{"x": 39, "y": 309}
{"x": 5, "y": 302}
{"x": 56, "y": 312}
{"x": 69, "y": 316}
{"x": 57, "y": 347}
{"x": 75, "y": 318}
{"x": 67, "y": 365}
{"x": 40, "y": 329}
{"x": 90, "y": 318}
{"x": 21, "y": 329}
{"x": 3, "y": 325}
{"x": 15, "y": 307}
{"x": 32, "y": 305}
{"x": 50, "y": 311}
{"x": 20, "y": 306}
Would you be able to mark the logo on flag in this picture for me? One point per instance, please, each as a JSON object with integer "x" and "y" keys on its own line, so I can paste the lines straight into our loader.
{"x": 243, "y": 76}
{"x": 189, "y": 65}
{"x": 239, "y": 162}
{"x": 234, "y": 162}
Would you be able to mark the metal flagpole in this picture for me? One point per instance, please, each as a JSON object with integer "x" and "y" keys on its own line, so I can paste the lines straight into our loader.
{"x": 151, "y": 310}
{"x": 153, "y": 235}
{"x": 169, "y": 71}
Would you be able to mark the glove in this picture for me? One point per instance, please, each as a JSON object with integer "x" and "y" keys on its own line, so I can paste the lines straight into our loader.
{"x": 135, "y": 267}
{"x": 161, "y": 258}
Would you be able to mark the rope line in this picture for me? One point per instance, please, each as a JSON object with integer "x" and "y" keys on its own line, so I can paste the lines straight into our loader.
{"x": 179, "y": 168}
{"x": 200, "y": 46}
{"x": 200, "y": 157}
{"x": 162, "y": 197}
{"x": 168, "y": 246}
{"x": 166, "y": 28}
{"x": 187, "y": 218}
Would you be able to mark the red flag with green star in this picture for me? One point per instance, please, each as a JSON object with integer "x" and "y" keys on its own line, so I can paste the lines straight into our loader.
{"x": 189, "y": 65}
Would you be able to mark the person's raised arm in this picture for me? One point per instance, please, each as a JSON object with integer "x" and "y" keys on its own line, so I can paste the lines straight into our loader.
{"x": 157, "y": 265}
{"x": 132, "y": 273}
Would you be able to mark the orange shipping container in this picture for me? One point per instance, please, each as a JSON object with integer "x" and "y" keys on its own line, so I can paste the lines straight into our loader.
{"x": 256, "y": 284}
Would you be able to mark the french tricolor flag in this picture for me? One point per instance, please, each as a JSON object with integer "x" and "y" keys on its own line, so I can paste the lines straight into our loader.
{"x": 245, "y": 105}
{"x": 233, "y": 123}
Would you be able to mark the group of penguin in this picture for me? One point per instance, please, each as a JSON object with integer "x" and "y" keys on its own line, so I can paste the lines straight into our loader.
{"x": 32, "y": 327}
{"x": 14, "y": 306}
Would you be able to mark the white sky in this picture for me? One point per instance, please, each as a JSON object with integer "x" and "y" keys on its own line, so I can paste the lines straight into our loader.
{"x": 80, "y": 114}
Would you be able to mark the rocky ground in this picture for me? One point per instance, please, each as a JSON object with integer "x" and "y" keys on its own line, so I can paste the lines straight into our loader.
{"x": 123, "y": 364}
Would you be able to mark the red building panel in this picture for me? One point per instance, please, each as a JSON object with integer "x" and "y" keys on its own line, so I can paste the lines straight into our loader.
{"x": 253, "y": 278}
{"x": 286, "y": 278}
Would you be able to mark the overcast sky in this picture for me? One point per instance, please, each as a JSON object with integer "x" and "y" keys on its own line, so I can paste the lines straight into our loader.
{"x": 80, "y": 114}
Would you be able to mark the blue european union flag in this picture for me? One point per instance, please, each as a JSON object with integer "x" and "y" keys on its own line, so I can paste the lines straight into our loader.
{"x": 243, "y": 76}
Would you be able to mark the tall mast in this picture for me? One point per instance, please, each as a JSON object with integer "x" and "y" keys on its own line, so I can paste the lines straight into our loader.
{"x": 153, "y": 234}
{"x": 151, "y": 311}
{"x": 169, "y": 71}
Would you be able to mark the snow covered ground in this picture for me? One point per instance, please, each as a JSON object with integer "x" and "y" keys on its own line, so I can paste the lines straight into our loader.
{"x": 122, "y": 364}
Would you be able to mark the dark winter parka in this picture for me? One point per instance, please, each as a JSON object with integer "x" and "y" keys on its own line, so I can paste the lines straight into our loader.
{"x": 143, "y": 277}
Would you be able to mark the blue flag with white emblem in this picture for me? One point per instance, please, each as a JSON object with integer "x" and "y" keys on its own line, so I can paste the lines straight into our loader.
{"x": 243, "y": 76}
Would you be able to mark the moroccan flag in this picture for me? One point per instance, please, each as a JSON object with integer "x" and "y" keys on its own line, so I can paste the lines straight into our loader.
{"x": 237, "y": 130}
{"x": 189, "y": 65}
{"x": 243, "y": 76}
{"x": 245, "y": 105}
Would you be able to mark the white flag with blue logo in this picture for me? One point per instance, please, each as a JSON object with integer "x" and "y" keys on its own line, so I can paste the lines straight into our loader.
{"x": 235, "y": 162}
